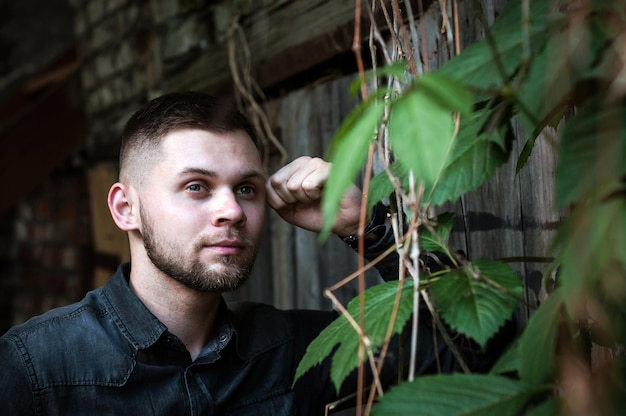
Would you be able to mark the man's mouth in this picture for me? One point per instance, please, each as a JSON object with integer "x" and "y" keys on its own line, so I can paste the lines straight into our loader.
{"x": 227, "y": 247}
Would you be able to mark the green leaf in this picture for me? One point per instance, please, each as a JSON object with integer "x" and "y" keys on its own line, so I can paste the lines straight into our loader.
{"x": 381, "y": 186}
{"x": 480, "y": 147}
{"x": 397, "y": 70}
{"x": 552, "y": 76}
{"x": 509, "y": 361}
{"x": 476, "y": 154}
{"x": 537, "y": 347}
{"x": 550, "y": 407}
{"x": 475, "y": 65}
{"x": 592, "y": 259}
{"x": 446, "y": 91}
{"x": 455, "y": 394}
{"x": 439, "y": 240}
{"x": 379, "y": 304}
{"x": 421, "y": 133}
{"x": 477, "y": 307}
{"x": 593, "y": 246}
{"x": 348, "y": 151}
{"x": 592, "y": 151}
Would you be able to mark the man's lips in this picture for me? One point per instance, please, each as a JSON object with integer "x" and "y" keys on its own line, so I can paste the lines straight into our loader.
{"x": 226, "y": 247}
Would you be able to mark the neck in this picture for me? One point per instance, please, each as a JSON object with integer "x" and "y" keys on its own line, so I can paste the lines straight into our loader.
{"x": 187, "y": 313}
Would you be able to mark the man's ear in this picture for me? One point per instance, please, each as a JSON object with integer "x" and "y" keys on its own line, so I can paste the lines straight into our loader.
{"x": 122, "y": 207}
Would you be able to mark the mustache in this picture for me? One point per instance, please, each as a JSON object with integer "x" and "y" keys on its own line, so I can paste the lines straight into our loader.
{"x": 231, "y": 235}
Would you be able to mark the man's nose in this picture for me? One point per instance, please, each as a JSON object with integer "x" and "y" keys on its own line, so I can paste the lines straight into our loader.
{"x": 226, "y": 208}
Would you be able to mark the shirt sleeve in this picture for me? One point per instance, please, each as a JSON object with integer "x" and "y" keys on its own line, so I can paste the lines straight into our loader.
{"x": 16, "y": 396}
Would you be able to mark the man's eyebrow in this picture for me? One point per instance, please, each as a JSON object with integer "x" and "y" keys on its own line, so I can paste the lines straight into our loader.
{"x": 248, "y": 174}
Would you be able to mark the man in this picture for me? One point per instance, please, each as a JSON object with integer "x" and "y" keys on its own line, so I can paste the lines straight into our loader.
{"x": 158, "y": 338}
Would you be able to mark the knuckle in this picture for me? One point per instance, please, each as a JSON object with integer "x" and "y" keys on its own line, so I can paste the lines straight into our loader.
{"x": 293, "y": 186}
{"x": 275, "y": 180}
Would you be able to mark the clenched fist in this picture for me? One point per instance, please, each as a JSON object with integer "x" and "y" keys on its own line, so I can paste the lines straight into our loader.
{"x": 295, "y": 192}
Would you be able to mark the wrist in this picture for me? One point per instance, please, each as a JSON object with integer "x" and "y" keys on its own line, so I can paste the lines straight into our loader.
{"x": 374, "y": 229}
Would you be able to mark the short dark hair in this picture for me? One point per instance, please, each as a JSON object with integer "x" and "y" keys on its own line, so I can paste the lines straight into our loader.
{"x": 179, "y": 110}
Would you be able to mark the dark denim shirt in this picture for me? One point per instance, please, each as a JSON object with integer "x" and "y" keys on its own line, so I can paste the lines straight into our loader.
{"x": 109, "y": 355}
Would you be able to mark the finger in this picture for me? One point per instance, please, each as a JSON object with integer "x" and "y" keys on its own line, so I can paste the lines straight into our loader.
{"x": 306, "y": 183}
{"x": 283, "y": 174}
{"x": 299, "y": 181}
{"x": 278, "y": 193}
{"x": 274, "y": 198}
{"x": 315, "y": 179}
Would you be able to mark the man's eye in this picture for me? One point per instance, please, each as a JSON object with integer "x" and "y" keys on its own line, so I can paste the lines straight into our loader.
{"x": 246, "y": 190}
{"x": 194, "y": 187}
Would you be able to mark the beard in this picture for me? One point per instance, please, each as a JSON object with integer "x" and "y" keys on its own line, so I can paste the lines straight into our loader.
{"x": 170, "y": 259}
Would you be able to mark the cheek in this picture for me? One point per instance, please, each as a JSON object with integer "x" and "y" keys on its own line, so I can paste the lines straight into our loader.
{"x": 255, "y": 218}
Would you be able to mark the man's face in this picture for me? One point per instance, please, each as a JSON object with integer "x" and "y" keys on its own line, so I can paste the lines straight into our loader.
{"x": 202, "y": 209}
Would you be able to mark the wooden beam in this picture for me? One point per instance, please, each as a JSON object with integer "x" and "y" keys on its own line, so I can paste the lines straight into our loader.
{"x": 270, "y": 32}
{"x": 283, "y": 41}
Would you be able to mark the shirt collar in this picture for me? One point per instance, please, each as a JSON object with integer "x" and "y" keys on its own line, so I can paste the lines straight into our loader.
{"x": 135, "y": 321}
{"x": 139, "y": 325}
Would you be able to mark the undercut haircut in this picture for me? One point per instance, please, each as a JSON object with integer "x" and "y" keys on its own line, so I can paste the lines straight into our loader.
{"x": 144, "y": 131}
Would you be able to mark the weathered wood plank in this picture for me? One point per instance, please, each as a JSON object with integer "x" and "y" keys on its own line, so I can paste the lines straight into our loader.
{"x": 285, "y": 38}
{"x": 540, "y": 218}
{"x": 277, "y": 35}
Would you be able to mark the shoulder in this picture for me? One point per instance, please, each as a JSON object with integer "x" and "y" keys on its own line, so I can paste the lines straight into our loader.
{"x": 50, "y": 347}
{"x": 57, "y": 322}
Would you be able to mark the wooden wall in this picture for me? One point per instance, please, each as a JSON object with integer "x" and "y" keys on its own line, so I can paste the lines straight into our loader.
{"x": 511, "y": 216}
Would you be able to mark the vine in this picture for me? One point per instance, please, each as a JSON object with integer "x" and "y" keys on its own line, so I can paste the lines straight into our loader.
{"x": 441, "y": 134}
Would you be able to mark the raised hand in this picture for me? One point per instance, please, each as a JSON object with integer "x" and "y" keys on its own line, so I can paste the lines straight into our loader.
{"x": 295, "y": 193}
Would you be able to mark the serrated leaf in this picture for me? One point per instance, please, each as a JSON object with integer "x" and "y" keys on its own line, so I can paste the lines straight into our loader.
{"x": 349, "y": 150}
{"x": 455, "y": 395}
{"x": 538, "y": 342}
{"x": 474, "y": 306}
{"x": 379, "y": 304}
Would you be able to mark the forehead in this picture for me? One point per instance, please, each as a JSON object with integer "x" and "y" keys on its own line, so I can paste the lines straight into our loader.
{"x": 219, "y": 152}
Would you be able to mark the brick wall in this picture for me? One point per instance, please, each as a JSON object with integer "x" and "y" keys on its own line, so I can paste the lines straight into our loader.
{"x": 45, "y": 249}
{"x": 127, "y": 48}
{"x": 130, "y": 49}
